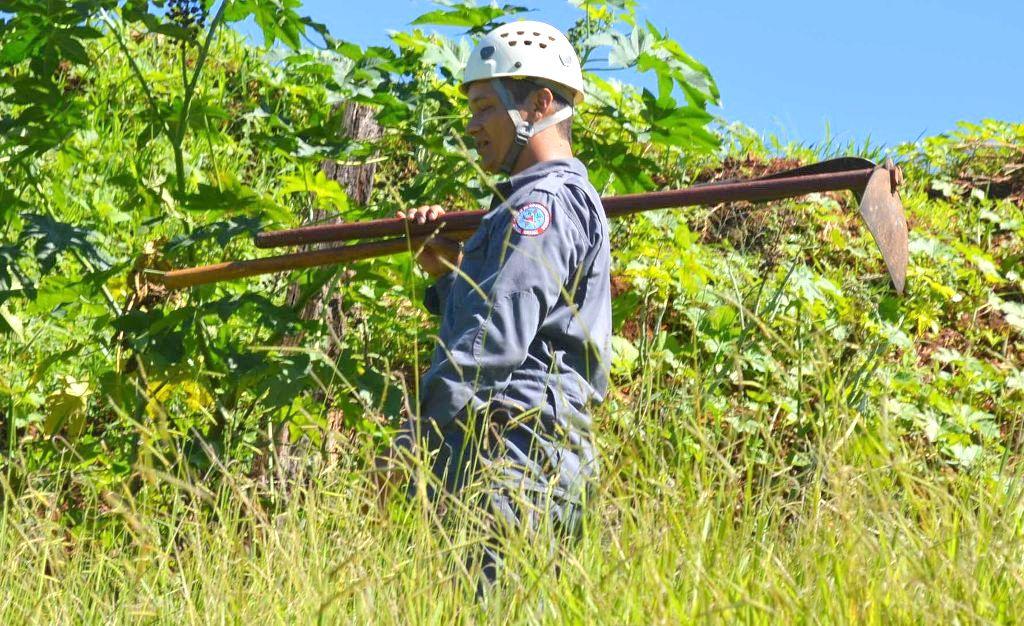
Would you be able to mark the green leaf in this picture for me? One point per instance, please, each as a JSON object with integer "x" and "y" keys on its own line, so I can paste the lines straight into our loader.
{"x": 20, "y": 41}
{"x": 647, "y": 50}
{"x": 466, "y": 14}
{"x": 10, "y": 204}
{"x": 624, "y": 356}
{"x": 722, "y": 321}
{"x": 65, "y": 409}
{"x": 450, "y": 56}
{"x": 54, "y": 237}
{"x": 9, "y": 322}
{"x": 220, "y": 232}
{"x": 279, "y": 21}
{"x": 71, "y": 48}
{"x": 11, "y": 276}
{"x": 624, "y": 49}
{"x": 328, "y": 191}
{"x": 965, "y": 455}
{"x": 277, "y": 379}
{"x": 228, "y": 198}
{"x": 672, "y": 125}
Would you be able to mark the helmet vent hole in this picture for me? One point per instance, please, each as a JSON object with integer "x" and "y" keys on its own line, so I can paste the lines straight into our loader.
{"x": 503, "y": 35}
{"x": 527, "y": 42}
{"x": 512, "y": 43}
{"x": 520, "y": 32}
{"x": 536, "y": 34}
{"x": 551, "y": 38}
{"x": 543, "y": 45}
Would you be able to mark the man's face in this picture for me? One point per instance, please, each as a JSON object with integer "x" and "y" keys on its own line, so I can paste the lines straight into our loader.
{"x": 490, "y": 126}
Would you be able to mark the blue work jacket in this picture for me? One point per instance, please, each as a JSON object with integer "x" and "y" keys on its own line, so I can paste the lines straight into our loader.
{"x": 525, "y": 330}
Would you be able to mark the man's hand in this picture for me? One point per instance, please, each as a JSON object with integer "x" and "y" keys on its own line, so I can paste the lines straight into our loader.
{"x": 439, "y": 254}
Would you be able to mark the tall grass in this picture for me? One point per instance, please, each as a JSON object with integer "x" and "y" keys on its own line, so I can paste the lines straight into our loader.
{"x": 867, "y": 533}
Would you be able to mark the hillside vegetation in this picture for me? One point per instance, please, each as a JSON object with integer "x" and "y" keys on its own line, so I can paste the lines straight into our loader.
{"x": 785, "y": 438}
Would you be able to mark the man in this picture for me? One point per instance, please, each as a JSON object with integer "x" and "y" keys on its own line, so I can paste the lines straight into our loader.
{"x": 525, "y": 309}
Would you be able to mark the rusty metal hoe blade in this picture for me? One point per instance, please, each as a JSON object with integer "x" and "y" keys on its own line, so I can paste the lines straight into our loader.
{"x": 882, "y": 210}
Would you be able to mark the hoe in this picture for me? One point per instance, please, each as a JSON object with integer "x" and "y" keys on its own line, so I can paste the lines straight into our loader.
{"x": 876, "y": 185}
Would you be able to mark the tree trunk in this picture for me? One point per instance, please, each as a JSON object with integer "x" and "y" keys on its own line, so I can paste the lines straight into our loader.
{"x": 359, "y": 123}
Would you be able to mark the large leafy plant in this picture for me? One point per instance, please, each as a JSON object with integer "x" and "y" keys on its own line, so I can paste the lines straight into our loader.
{"x": 141, "y": 135}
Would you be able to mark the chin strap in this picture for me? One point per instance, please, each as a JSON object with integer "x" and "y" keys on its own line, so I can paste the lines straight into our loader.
{"x": 524, "y": 130}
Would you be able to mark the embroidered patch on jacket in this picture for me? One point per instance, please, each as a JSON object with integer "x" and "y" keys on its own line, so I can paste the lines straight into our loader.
{"x": 531, "y": 219}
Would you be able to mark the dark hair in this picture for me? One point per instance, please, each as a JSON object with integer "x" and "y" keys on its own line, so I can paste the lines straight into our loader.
{"x": 521, "y": 89}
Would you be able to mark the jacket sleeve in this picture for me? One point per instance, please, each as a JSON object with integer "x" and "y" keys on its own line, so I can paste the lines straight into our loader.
{"x": 516, "y": 280}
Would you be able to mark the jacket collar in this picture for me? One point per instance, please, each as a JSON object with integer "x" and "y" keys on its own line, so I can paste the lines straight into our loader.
{"x": 533, "y": 174}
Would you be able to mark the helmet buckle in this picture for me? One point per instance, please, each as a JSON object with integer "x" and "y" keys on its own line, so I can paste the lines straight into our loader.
{"x": 523, "y": 134}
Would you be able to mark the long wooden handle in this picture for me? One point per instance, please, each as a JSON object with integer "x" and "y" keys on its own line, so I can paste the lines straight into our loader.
{"x": 462, "y": 225}
{"x": 232, "y": 270}
{"x": 757, "y": 190}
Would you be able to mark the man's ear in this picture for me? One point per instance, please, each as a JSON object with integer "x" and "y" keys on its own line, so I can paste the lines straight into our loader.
{"x": 543, "y": 98}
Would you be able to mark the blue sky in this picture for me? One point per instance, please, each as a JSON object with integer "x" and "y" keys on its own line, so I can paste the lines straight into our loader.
{"x": 890, "y": 71}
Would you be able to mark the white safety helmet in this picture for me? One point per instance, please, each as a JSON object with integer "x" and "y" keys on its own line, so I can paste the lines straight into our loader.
{"x": 527, "y": 50}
